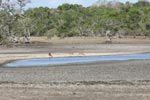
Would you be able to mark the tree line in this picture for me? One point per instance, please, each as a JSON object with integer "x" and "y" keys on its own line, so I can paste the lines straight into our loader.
{"x": 68, "y": 20}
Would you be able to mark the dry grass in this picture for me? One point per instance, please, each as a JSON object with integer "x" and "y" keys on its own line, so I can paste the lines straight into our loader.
{"x": 71, "y": 40}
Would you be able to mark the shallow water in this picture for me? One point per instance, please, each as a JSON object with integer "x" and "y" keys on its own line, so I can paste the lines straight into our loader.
{"x": 68, "y": 60}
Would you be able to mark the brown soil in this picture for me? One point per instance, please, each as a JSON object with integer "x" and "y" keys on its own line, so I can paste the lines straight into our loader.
{"x": 125, "y": 80}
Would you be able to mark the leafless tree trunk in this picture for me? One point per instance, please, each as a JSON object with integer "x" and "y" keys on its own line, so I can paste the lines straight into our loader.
{"x": 108, "y": 37}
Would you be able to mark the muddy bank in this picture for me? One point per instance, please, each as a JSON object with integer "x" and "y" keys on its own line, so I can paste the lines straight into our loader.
{"x": 41, "y": 50}
{"x": 97, "y": 71}
{"x": 130, "y": 71}
{"x": 111, "y": 80}
{"x": 125, "y": 80}
{"x": 74, "y": 92}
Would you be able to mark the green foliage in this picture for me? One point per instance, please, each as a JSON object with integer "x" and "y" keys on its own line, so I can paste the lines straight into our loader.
{"x": 10, "y": 15}
{"x": 75, "y": 20}
{"x": 142, "y": 4}
{"x": 40, "y": 17}
{"x": 1, "y": 38}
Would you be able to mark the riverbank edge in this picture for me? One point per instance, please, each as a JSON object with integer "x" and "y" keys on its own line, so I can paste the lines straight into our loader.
{"x": 6, "y": 58}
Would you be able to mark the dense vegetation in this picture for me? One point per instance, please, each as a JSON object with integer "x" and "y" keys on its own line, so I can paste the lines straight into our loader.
{"x": 75, "y": 20}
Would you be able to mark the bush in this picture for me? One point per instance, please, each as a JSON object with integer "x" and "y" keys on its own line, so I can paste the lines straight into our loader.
{"x": 1, "y": 39}
{"x": 51, "y": 33}
{"x": 4, "y": 41}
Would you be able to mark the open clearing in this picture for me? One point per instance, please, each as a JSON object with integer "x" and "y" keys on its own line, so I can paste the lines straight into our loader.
{"x": 113, "y": 80}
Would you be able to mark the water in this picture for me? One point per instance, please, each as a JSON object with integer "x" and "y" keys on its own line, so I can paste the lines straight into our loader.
{"x": 68, "y": 60}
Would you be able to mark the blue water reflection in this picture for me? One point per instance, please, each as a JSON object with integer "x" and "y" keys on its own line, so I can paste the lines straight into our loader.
{"x": 67, "y": 60}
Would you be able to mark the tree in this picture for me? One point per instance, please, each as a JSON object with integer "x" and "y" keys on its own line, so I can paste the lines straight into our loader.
{"x": 142, "y": 3}
{"x": 14, "y": 10}
{"x": 41, "y": 17}
{"x": 74, "y": 20}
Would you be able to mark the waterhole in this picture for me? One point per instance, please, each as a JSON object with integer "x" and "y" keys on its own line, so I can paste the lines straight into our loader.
{"x": 70, "y": 60}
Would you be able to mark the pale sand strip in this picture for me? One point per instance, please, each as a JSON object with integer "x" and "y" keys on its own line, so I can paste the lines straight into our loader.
{"x": 9, "y": 57}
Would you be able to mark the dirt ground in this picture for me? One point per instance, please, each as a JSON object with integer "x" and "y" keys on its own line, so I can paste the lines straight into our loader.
{"x": 111, "y": 80}
{"x": 77, "y": 46}
{"x": 73, "y": 92}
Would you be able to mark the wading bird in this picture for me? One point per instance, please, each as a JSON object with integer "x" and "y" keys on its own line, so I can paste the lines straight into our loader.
{"x": 50, "y": 54}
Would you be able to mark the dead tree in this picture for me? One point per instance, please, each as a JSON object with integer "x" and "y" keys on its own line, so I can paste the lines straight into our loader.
{"x": 108, "y": 37}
